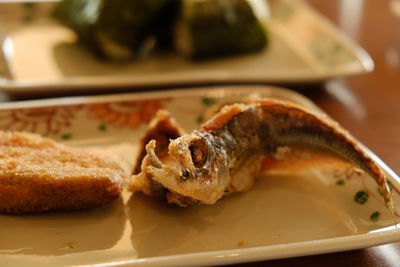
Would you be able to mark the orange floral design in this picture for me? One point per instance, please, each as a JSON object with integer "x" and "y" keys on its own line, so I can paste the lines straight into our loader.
{"x": 128, "y": 113}
{"x": 45, "y": 120}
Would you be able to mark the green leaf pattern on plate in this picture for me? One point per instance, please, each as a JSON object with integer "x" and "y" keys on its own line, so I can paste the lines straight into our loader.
{"x": 361, "y": 197}
{"x": 199, "y": 119}
{"x": 208, "y": 101}
{"x": 103, "y": 127}
{"x": 29, "y": 8}
{"x": 328, "y": 52}
{"x": 340, "y": 182}
{"x": 375, "y": 216}
{"x": 66, "y": 136}
{"x": 283, "y": 11}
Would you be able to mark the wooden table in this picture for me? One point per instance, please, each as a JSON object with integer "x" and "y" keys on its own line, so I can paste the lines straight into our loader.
{"x": 368, "y": 106}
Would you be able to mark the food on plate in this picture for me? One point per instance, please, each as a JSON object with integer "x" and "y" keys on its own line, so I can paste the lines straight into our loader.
{"x": 197, "y": 29}
{"x": 228, "y": 151}
{"x": 114, "y": 29}
{"x": 37, "y": 174}
{"x": 216, "y": 28}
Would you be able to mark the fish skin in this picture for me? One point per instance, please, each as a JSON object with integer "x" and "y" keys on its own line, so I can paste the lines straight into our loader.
{"x": 233, "y": 142}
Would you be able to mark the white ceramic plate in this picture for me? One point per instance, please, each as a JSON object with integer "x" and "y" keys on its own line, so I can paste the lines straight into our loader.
{"x": 40, "y": 55}
{"x": 283, "y": 215}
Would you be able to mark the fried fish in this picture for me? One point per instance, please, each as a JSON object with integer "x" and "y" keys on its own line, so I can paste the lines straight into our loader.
{"x": 225, "y": 155}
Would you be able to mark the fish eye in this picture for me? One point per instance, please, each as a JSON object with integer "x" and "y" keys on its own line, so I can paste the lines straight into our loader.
{"x": 185, "y": 174}
{"x": 198, "y": 152}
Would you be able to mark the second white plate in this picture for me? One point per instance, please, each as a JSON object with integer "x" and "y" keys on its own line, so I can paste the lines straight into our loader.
{"x": 40, "y": 55}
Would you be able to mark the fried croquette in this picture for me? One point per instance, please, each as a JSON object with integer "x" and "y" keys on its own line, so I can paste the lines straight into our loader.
{"x": 38, "y": 174}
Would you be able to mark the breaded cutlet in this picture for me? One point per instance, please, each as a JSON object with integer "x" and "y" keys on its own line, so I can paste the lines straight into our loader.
{"x": 38, "y": 174}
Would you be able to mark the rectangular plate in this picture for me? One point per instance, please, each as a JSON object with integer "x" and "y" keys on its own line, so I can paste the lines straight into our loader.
{"x": 283, "y": 215}
{"x": 41, "y": 55}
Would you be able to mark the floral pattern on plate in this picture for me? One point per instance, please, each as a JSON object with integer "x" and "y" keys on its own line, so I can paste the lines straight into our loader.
{"x": 46, "y": 120}
{"x": 127, "y": 113}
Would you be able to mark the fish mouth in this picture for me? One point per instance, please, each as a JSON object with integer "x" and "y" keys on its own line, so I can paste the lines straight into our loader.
{"x": 188, "y": 157}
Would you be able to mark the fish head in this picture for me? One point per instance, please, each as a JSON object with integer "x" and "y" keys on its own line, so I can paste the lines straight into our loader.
{"x": 198, "y": 168}
{"x": 197, "y": 156}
